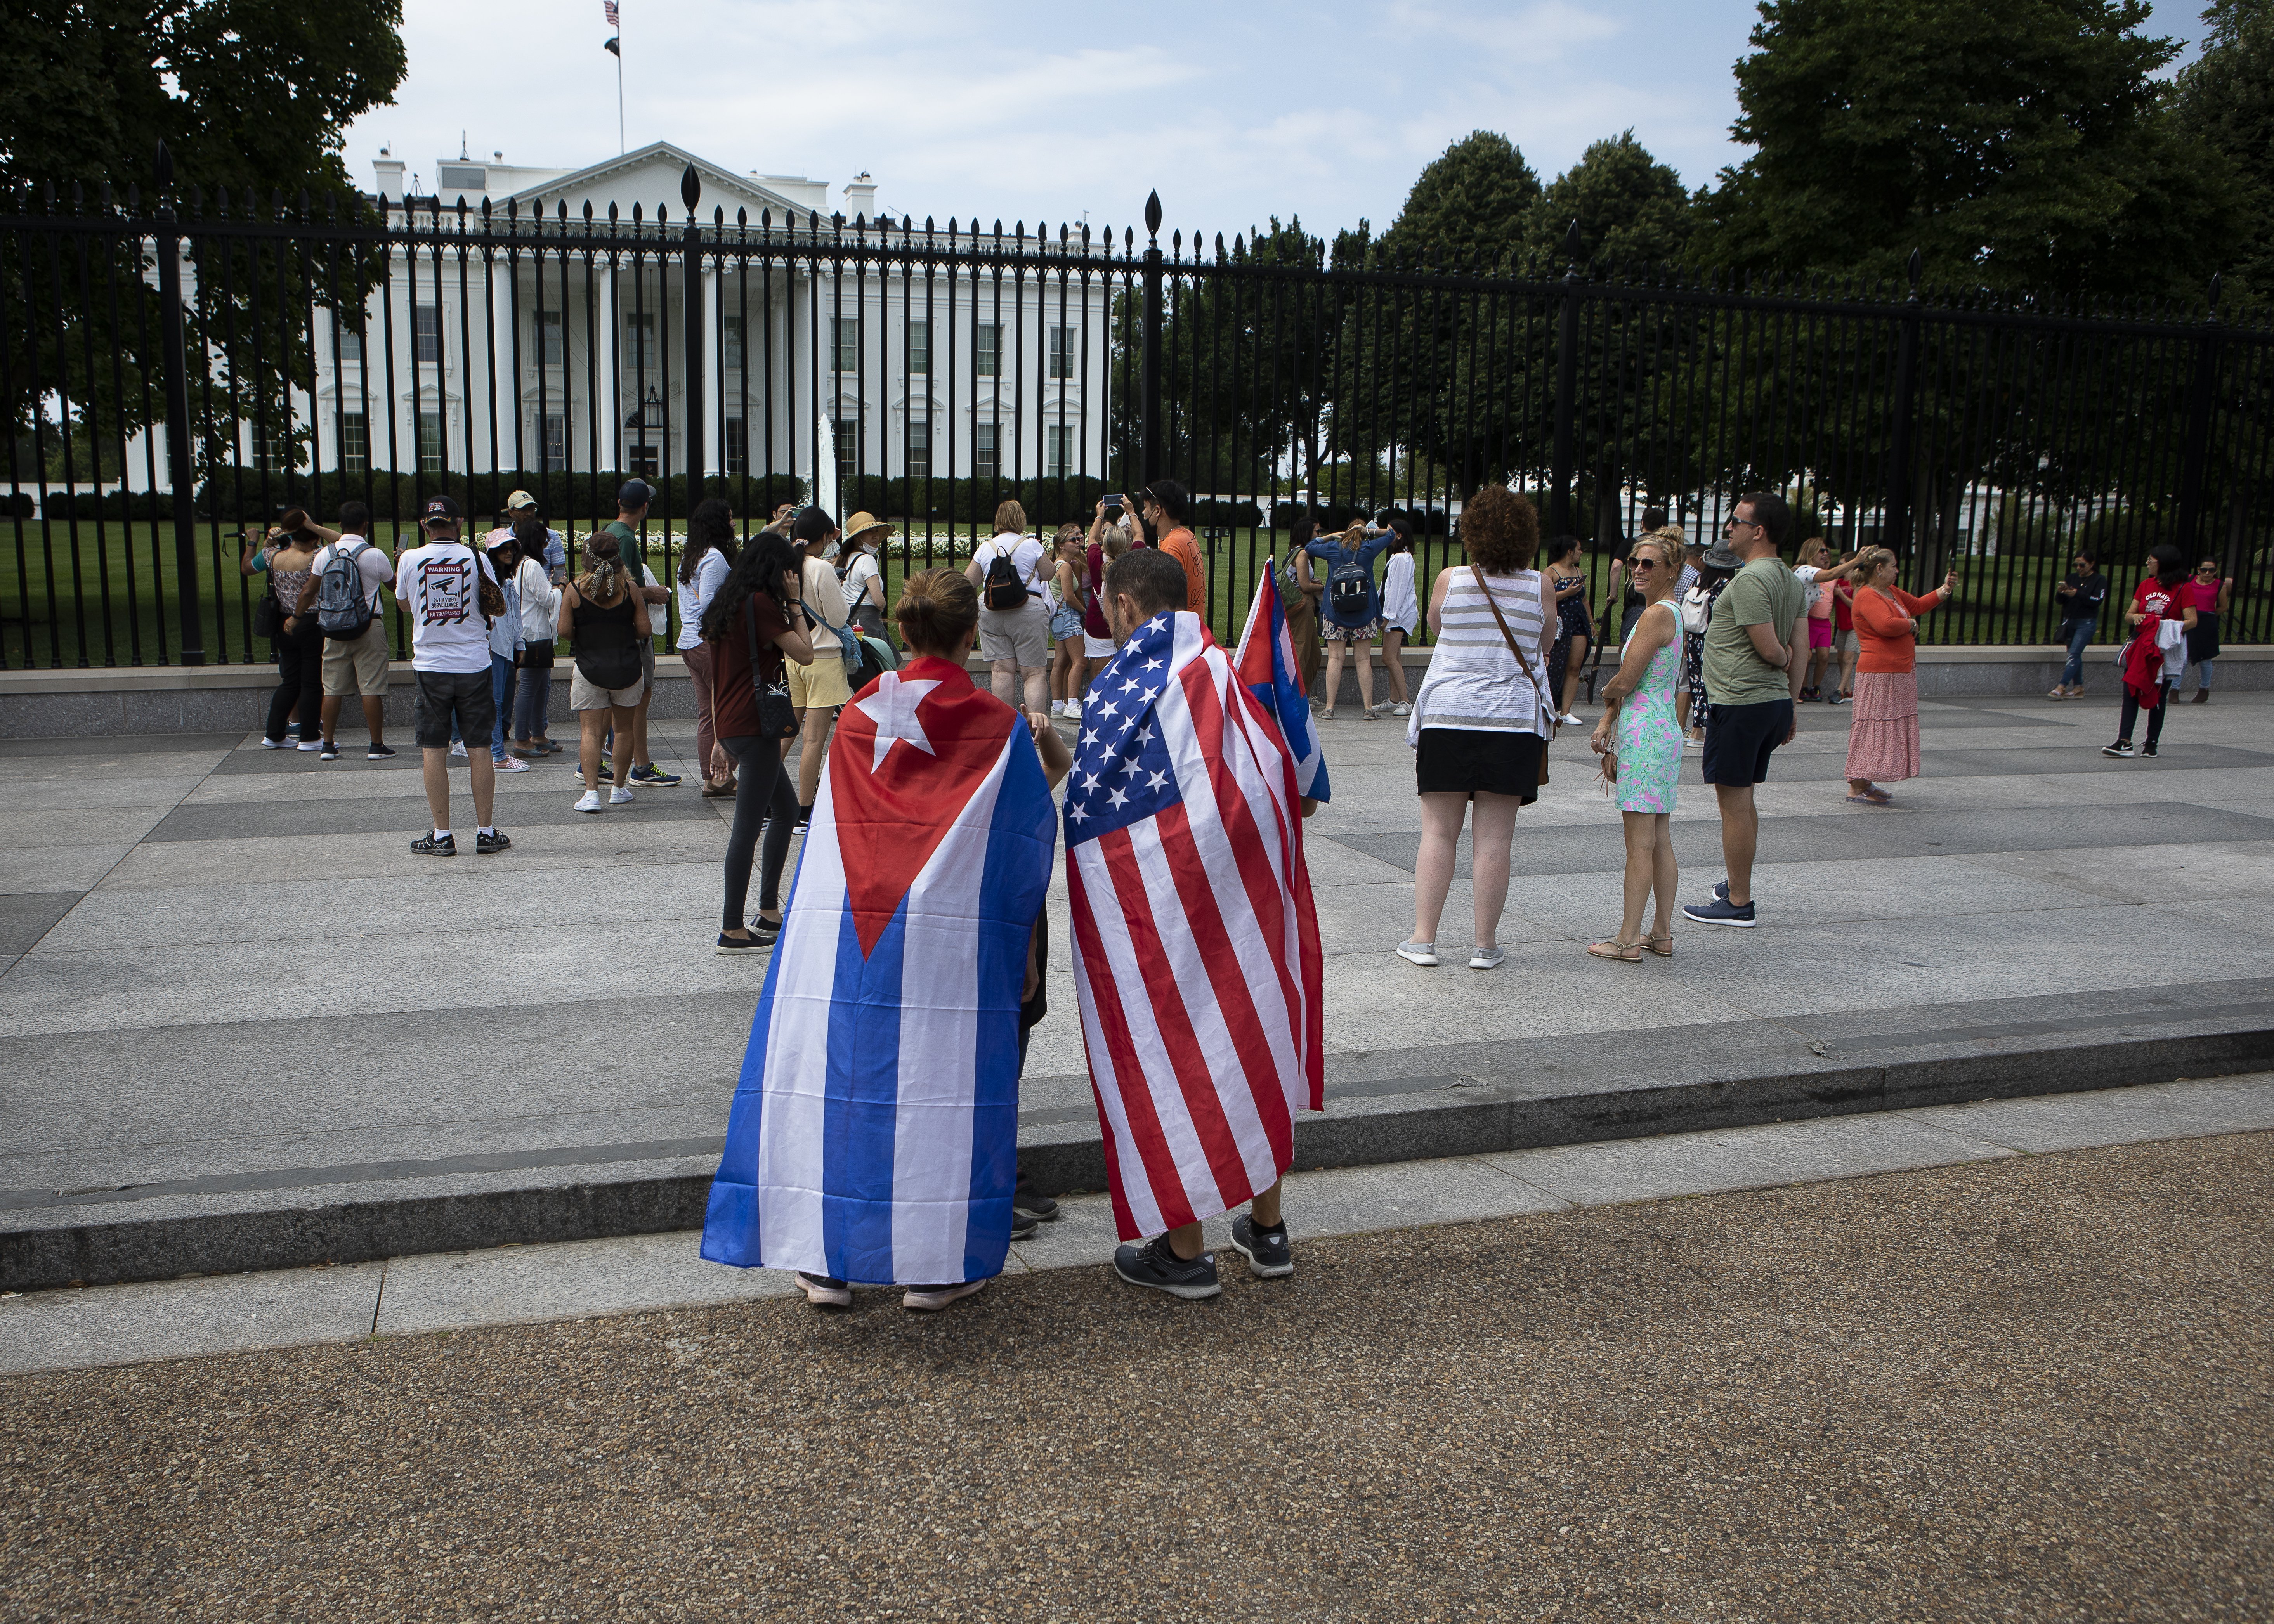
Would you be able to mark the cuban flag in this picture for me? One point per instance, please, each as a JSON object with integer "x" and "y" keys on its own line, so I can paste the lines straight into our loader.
{"x": 1266, "y": 662}
{"x": 1197, "y": 962}
{"x": 874, "y": 1135}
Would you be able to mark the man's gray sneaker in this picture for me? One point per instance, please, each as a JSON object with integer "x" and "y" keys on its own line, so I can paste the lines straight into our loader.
{"x": 1265, "y": 1249}
{"x": 1155, "y": 1266}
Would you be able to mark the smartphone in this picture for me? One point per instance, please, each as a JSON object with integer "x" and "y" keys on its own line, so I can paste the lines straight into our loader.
{"x": 1114, "y": 500}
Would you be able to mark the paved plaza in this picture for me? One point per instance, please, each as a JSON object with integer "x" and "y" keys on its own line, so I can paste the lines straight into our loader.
{"x": 230, "y": 989}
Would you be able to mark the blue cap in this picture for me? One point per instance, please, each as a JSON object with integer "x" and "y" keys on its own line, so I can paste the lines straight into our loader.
{"x": 635, "y": 493}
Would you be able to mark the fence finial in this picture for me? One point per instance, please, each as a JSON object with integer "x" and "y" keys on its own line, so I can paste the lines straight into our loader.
{"x": 1572, "y": 244}
{"x": 1152, "y": 216}
{"x": 690, "y": 189}
{"x": 1912, "y": 269}
{"x": 2214, "y": 294}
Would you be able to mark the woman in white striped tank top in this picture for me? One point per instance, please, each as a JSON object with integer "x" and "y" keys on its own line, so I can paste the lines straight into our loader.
{"x": 1481, "y": 720}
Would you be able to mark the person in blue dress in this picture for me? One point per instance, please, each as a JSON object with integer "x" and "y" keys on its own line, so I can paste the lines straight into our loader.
{"x": 1350, "y": 606}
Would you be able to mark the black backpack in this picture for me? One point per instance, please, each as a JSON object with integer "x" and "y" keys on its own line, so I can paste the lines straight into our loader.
{"x": 1005, "y": 589}
{"x": 342, "y": 605}
{"x": 1348, "y": 589}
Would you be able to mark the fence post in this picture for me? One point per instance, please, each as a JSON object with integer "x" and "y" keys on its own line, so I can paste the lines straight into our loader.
{"x": 1566, "y": 389}
{"x": 2201, "y": 396}
{"x": 174, "y": 344}
{"x": 1149, "y": 381}
{"x": 690, "y": 192}
{"x": 1897, "y": 519}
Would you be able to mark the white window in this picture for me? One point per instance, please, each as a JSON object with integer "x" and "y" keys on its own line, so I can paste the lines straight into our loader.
{"x": 551, "y": 351}
{"x": 987, "y": 350}
{"x": 350, "y": 341}
{"x": 985, "y": 464}
{"x": 738, "y": 447}
{"x": 1061, "y": 450}
{"x": 640, "y": 353}
{"x": 426, "y": 331}
{"x": 919, "y": 457}
{"x": 430, "y": 442}
{"x": 845, "y": 344}
{"x": 849, "y": 455}
{"x": 355, "y": 443}
{"x": 730, "y": 344}
{"x": 920, "y": 348}
{"x": 1061, "y": 352}
{"x": 552, "y": 442}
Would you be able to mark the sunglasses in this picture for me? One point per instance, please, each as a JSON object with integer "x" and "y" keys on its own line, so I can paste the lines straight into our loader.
{"x": 2207, "y": 569}
{"x": 1642, "y": 563}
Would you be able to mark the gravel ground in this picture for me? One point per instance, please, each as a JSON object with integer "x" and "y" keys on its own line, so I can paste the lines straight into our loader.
{"x": 2030, "y": 1390}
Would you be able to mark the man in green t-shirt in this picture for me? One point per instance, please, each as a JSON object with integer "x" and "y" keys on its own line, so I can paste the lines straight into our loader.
{"x": 631, "y": 512}
{"x": 1756, "y": 654}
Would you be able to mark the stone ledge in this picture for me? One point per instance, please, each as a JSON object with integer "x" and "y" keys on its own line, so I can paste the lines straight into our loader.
{"x": 1455, "y": 1115}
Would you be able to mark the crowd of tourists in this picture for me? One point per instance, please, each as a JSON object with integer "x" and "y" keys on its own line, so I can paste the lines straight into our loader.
{"x": 790, "y": 634}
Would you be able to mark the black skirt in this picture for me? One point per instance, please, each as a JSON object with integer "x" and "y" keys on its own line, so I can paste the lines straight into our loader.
{"x": 2202, "y": 642}
{"x": 1464, "y": 761}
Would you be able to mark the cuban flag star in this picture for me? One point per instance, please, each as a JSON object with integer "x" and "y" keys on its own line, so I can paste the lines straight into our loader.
{"x": 874, "y": 1134}
{"x": 1197, "y": 962}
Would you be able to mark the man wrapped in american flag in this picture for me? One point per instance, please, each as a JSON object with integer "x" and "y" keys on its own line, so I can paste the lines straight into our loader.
{"x": 1196, "y": 946}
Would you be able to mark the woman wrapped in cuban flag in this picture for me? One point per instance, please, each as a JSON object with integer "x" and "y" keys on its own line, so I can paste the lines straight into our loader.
{"x": 874, "y": 1134}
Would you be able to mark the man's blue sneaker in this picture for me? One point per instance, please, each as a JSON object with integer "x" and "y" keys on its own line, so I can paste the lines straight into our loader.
{"x": 1721, "y": 911}
{"x": 654, "y": 777}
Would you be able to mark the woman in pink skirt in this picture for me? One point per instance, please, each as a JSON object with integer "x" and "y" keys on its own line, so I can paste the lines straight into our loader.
{"x": 1883, "y": 738}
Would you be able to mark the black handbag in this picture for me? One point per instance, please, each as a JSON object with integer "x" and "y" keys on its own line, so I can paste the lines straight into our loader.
{"x": 777, "y": 716}
{"x": 268, "y": 616}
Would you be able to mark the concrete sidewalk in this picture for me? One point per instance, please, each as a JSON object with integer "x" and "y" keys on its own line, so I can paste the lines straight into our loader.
{"x": 246, "y": 1026}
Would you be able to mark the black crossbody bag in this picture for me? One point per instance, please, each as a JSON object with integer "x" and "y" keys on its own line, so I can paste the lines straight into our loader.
{"x": 777, "y": 716}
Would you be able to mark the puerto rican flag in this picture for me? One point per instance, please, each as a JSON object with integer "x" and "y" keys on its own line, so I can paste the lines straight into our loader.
{"x": 1196, "y": 946}
{"x": 874, "y": 1135}
{"x": 1266, "y": 662}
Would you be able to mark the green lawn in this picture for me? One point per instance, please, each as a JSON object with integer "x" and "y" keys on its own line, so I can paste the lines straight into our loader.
{"x": 65, "y": 590}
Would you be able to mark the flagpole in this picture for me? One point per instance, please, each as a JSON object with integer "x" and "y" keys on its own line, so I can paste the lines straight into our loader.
{"x": 621, "y": 147}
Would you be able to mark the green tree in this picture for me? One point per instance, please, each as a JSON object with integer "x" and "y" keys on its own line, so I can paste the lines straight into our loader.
{"x": 252, "y": 99}
{"x": 1468, "y": 208}
{"x": 2226, "y": 99}
{"x": 1631, "y": 209}
{"x": 2018, "y": 146}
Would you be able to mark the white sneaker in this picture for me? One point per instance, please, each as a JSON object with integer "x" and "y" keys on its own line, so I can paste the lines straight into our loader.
{"x": 589, "y": 802}
{"x": 1569, "y": 721}
{"x": 619, "y": 796}
{"x": 312, "y": 744}
{"x": 276, "y": 744}
{"x": 458, "y": 748}
{"x": 511, "y": 763}
{"x": 1422, "y": 953}
{"x": 1401, "y": 708}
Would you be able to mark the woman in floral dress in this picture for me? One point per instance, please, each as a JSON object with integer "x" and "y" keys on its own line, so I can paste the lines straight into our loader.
{"x": 1640, "y": 732}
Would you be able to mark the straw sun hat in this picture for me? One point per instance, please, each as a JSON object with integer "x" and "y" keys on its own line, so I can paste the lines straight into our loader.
{"x": 865, "y": 524}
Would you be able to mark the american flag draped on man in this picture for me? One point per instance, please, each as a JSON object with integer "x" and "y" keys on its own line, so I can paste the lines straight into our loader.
{"x": 1197, "y": 962}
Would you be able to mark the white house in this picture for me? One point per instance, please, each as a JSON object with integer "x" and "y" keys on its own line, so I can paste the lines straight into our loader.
{"x": 513, "y": 346}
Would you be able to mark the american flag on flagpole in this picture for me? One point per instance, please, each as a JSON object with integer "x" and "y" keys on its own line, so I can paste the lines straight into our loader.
{"x": 609, "y": 6}
{"x": 1197, "y": 962}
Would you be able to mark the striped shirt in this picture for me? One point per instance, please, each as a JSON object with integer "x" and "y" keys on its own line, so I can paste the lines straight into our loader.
{"x": 1472, "y": 681}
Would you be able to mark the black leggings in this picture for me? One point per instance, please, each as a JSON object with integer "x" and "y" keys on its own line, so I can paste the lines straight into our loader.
{"x": 300, "y": 664}
{"x": 2155, "y": 716}
{"x": 761, "y": 787}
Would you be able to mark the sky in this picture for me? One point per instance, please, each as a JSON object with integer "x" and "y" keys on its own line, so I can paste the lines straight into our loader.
{"x": 1234, "y": 110}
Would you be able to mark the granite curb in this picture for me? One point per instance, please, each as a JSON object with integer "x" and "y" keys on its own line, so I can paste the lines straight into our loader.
{"x": 1475, "y": 1110}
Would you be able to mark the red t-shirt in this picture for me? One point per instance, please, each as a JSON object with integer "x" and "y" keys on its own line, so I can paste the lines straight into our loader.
{"x": 1843, "y": 617}
{"x": 1093, "y": 613}
{"x": 2152, "y": 597}
{"x": 734, "y": 702}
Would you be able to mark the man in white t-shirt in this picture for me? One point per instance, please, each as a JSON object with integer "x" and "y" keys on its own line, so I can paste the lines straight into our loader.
{"x": 440, "y": 587}
{"x": 354, "y": 665}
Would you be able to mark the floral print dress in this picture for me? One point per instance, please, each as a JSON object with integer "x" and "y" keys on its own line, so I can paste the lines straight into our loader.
{"x": 1649, "y": 739}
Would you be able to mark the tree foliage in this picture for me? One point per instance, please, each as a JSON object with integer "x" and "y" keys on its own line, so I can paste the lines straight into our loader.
{"x": 252, "y": 99}
{"x": 2226, "y": 100}
{"x": 2018, "y": 147}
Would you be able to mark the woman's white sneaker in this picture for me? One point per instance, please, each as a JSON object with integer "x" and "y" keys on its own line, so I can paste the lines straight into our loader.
{"x": 1422, "y": 953}
{"x": 589, "y": 802}
{"x": 619, "y": 796}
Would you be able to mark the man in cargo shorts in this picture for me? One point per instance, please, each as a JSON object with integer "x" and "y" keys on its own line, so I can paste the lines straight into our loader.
{"x": 355, "y": 666}
{"x": 1756, "y": 654}
{"x": 440, "y": 587}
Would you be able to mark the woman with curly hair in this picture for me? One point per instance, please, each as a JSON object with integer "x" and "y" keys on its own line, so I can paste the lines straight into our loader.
{"x": 1482, "y": 721}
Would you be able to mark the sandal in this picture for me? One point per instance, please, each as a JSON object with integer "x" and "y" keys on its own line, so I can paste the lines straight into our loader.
{"x": 1663, "y": 946}
{"x": 1624, "y": 951}
{"x": 1327, "y": 715}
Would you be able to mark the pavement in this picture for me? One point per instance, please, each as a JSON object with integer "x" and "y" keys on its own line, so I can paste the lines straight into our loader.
{"x": 244, "y": 1024}
{"x": 2024, "y": 1384}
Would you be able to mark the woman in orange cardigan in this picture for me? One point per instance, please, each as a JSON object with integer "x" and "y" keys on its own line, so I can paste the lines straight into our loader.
{"x": 1883, "y": 740}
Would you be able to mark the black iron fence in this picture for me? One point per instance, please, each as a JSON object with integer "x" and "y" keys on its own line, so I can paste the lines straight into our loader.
{"x": 177, "y": 375}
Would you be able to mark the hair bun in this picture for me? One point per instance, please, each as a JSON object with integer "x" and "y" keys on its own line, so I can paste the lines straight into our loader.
{"x": 938, "y": 610}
